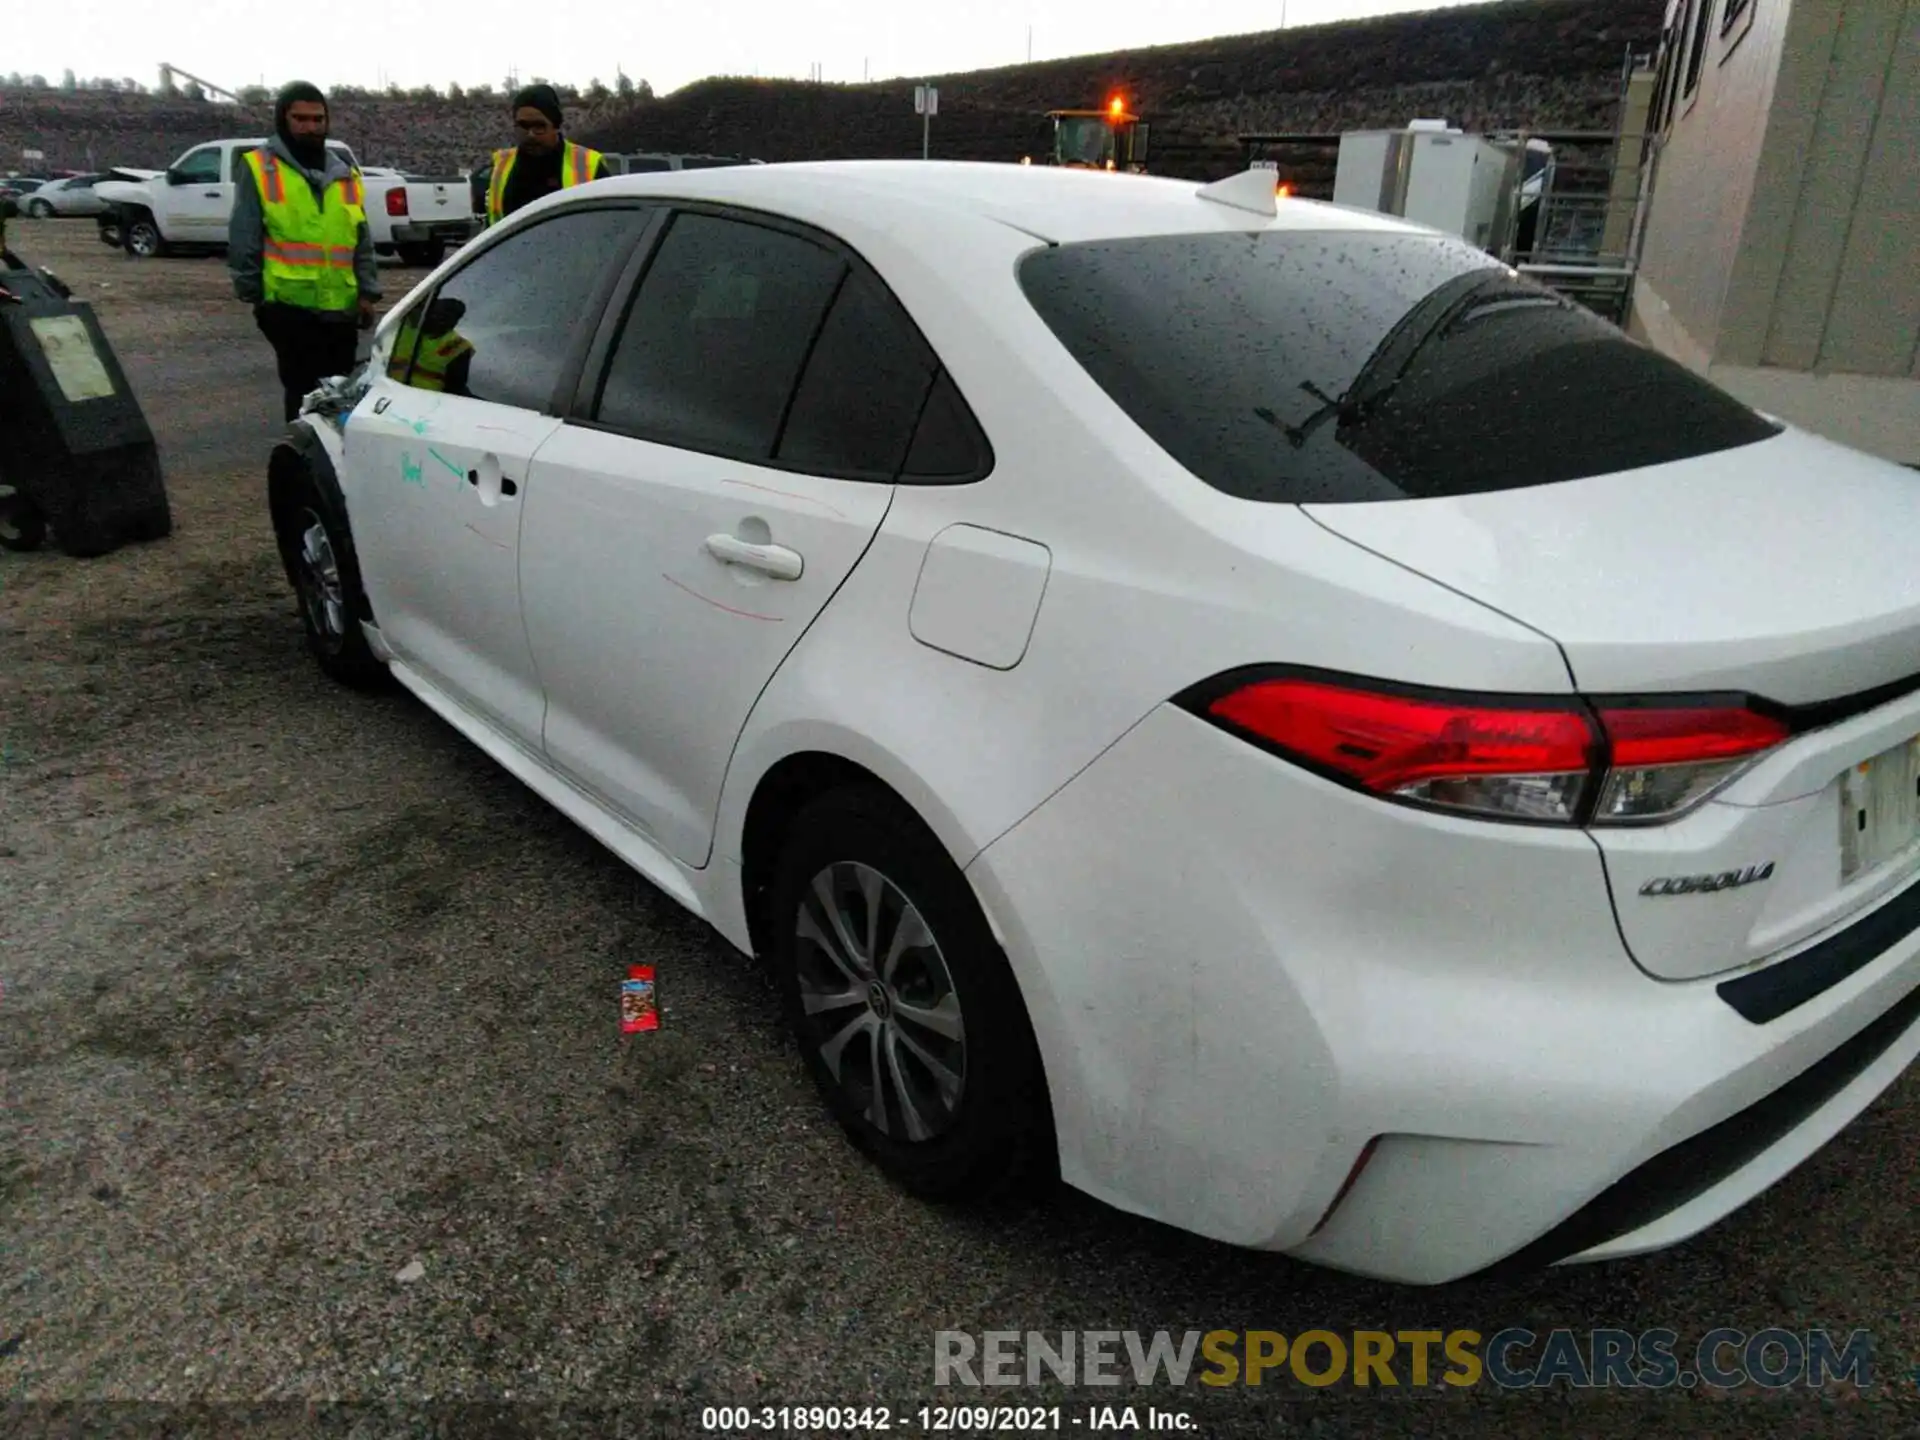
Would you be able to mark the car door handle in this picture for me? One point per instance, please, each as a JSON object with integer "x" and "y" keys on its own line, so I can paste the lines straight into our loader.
{"x": 211, "y": 194}
{"x": 507, "y": 487}
{"x": 775, "y": 560}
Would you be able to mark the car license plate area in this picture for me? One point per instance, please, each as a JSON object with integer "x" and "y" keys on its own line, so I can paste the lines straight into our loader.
{"x": 1879, "y": 810}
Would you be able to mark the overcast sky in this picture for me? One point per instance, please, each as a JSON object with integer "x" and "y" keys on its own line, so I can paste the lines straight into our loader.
{"x": 242, "y": 42}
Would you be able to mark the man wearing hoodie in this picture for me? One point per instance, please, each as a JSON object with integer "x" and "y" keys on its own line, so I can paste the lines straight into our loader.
{"x": 545, "y": 159}
{"x": 299, "y": 247}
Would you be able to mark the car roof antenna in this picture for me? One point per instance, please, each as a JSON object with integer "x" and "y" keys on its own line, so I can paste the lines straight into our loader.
{"x": 1253, "y": 190}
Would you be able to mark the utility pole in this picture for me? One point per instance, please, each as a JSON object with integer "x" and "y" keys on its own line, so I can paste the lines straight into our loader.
{"x": 1030, "y": 43}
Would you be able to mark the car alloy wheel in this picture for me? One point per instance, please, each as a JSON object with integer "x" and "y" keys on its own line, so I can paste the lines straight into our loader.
{"x": 39, "y": 209}
{"x": 880, "y": 1004}
{"x": 320, "y": 589}
{"x": 143, "y": 239}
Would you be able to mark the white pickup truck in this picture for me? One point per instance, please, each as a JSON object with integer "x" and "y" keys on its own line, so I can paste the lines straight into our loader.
{"x": 188, "y": 206}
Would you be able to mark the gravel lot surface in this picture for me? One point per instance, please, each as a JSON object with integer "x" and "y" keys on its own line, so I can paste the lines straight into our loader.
{"x": 301, "y": 998}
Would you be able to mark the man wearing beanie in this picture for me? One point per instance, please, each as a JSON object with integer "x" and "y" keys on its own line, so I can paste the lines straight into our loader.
{"x": 545, "y": 160}
{"x": 299, "y": 247}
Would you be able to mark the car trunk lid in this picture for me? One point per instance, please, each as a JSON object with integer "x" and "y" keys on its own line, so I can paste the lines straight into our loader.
{"x": 1781, "y": 570}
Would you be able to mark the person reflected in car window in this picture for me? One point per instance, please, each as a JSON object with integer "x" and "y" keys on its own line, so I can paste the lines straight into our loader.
{"x": 441, "y": 357}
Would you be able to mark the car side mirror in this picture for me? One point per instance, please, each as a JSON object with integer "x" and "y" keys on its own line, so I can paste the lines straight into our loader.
{"x": 175, "y": 177}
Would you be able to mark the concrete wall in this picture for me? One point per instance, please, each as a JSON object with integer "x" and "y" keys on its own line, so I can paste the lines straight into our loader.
{"x": 1707, "y": 171}
{"x": 1847, "y": 296}
{"x": 1782, "y": 253}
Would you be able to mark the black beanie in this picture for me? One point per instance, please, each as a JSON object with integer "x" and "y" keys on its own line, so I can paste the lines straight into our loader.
{"x": 543, "y": 98}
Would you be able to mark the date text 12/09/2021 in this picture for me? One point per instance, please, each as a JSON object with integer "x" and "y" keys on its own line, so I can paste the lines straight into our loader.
{"x": 940, "y": 1419}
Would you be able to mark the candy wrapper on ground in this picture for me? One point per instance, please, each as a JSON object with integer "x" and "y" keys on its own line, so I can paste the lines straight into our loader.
{"x": 637, "y": 1008}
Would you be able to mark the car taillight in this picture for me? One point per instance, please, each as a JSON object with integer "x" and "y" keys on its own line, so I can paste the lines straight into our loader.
{"x": 1539, "y": 760}
{"x": 1662, "y": 762}
{"x": 397, "y": 201}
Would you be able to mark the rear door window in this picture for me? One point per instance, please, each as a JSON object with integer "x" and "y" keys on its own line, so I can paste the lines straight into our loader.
{"x": 718, "y": 332}
{"x": 1330, "y": 367}
{"x": 862, "y": 391}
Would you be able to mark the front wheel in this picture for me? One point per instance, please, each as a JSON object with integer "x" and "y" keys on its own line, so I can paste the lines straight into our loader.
{"x": 143, "y": 238}
{"x": 907, "y": 1012}
{"x": 326, "y": 579}
{"x": 39, "y": 210}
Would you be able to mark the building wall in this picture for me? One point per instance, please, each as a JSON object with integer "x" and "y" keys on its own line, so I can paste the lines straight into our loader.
{"x": 1707, "y": 172}
{"x": 1847, "y": 297}
{"x": 1782, "y": 252}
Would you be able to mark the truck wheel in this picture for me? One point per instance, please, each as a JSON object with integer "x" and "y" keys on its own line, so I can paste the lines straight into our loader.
{"x": 422, "y": 257}
{"x": 144, "y": 240}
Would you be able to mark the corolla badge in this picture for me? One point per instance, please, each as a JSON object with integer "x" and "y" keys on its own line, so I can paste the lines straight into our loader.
{"x": 1707, "y": 884}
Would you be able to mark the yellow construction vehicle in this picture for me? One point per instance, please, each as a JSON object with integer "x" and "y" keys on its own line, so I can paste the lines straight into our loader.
{"x": 1110, "y": 139}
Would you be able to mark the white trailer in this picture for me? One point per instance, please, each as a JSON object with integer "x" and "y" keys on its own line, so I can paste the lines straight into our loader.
{"x": 1432, "y": 174}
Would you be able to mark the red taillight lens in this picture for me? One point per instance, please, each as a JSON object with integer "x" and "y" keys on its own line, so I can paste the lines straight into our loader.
{"x": 1523, "y": 763}
{"x": 1663, "y": 762}
{"x": 1619, "y": 765}
{"x": 397, "y": 201}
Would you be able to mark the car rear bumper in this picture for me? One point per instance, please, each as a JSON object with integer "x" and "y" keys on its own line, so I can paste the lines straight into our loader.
{"x": 1241, "y": 975}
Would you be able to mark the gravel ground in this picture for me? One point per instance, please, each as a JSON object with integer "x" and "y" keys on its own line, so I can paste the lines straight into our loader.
{"x": 298, "y": 991}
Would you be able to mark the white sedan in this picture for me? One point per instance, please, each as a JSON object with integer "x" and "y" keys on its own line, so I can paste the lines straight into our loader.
{"x": 73, "y": 195}
{"x": 1248, "y": 705}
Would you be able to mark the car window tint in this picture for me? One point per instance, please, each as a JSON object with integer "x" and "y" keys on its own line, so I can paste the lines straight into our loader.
{"x": 1330, "y": 367}
{"x": 713, "y": 343}
{"x": 948, "y": 444}
{"x": 520, "y": 303}
{"x": 865, "y": 382}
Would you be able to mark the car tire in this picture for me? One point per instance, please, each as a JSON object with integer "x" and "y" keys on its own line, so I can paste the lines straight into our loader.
{"x": 39, "y": 210}
{"x": 989, "y": 1136}
{"x": 318, "y": 548}
{"x": 422, "y": 257}
{"x": 142, "y": 237}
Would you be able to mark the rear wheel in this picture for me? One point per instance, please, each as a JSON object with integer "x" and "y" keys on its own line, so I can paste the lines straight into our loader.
{"x": 907, "y": 1013}
{"x": 39, "y": 210}
{"x": 423, "y": 257}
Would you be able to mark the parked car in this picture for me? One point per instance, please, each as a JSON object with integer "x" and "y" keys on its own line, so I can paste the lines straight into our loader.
{"x": 19, "y": 187}
{"x": 1254, "y": 705}
{"x": 652, "y": 161}
{"x": 425, "y": 216}
{"x": 71, "y": 196}
{"x": 188, "y": 205}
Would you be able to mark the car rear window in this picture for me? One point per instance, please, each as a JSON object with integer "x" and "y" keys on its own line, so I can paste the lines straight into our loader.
{"x": 1326, "y": 367}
